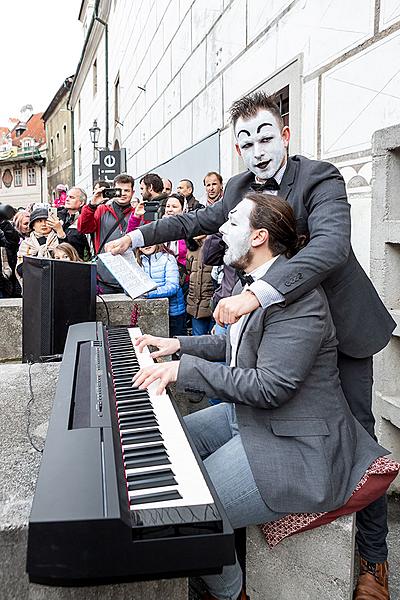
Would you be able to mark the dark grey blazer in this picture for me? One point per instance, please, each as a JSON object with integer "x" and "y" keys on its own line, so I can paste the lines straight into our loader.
{"x": 306, "y": 450}
{"x": 316, "y": 192}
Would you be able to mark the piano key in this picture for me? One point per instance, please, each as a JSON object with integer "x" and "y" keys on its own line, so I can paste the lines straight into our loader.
{"x": 140, "y": 484}
{"x": 146, "y": 461}
{"x": 129, "y": 425}
{"x": 145, "y": 450}
{"x": 141, "y": 436}
{"x": 156, "y": 497}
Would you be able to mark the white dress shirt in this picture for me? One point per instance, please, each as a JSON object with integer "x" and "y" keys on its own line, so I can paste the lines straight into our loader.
{"x": 235, "y": 329}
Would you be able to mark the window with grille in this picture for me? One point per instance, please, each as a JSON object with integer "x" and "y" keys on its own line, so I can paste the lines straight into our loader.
{"x": 17, "y": 177}
{"x": 31, "y": 172}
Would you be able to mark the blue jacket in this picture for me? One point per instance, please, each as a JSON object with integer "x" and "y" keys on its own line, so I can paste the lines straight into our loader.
{"x": 163, "y": 269}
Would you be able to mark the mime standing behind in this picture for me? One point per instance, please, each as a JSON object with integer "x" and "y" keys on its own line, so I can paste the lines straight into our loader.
{"x": 316, "y": 192}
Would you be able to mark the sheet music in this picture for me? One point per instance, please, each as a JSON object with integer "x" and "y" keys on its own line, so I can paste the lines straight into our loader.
{"x": 127, "y": 272}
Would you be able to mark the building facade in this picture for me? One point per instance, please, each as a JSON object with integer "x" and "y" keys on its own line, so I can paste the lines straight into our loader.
{"x": 58, "y": 124}
{"x": 23, "y": 177}
{"x": 159, "y": 77}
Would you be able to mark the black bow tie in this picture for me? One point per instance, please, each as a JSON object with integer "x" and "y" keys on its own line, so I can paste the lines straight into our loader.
{"x": 268, "y": 185}
{"x": 244, "y": 279}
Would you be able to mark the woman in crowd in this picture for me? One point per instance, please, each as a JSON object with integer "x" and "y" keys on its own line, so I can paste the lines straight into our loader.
{"x": 174, "y": 206}
{"x": 21, "y": 222}
{"x": 159, "y": 264}
{"x": 46, "y": 234}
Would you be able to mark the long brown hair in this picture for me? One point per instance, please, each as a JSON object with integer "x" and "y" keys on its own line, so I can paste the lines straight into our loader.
{"x": 158, "y": 248}
{"x": 277, "y": 216}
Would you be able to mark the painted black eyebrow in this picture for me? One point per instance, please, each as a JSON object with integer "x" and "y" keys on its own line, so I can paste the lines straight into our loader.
{"x": 243, "y": 131}
{"x": 262, "y": 125}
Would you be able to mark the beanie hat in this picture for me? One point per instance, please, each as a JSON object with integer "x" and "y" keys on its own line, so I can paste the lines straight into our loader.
{"x": 41, "y": 212}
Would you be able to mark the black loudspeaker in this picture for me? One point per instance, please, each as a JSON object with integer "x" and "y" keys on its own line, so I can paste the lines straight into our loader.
{"x": 56, "y": 294}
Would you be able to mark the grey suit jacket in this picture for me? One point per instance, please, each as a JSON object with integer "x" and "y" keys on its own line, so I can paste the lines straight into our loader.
{"x": 306, "y": 450}
{"x": 317, "y": 194}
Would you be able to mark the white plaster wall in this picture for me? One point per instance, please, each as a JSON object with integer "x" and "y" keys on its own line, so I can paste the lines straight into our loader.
{"x": 194, "y": 57}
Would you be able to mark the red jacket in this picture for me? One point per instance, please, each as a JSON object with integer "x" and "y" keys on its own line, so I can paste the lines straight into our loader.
{"x": 91, "y": 221}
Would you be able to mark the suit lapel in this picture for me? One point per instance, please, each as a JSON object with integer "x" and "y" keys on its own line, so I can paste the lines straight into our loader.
{"x": 247, "y": 318}
{"x": 287, "y": 179}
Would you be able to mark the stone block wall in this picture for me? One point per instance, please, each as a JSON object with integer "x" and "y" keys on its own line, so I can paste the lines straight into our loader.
{"x": 385, "y": 273}
{"x": 152, "y": 318}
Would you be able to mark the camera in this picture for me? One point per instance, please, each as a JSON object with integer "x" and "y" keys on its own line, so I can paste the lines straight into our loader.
{"x": 112, "y": 193}
{"x": 151, "y": 210}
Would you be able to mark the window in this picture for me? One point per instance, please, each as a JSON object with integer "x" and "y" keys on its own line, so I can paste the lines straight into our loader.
{"x": 31, "y": 175}
{"x": 58, "y": 143}
{"x": 64, "y": 138}
{"x": 95, "y": 77}
{"x": 116, "y": 101}
{"x": 51, "y": 148}
{"x": 80, "y": 160}
{"x": 79, "y": 112}
{"x": 17, "y": 177}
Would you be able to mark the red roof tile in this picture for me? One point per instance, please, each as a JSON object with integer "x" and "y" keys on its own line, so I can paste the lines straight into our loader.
{"x": 34, "y": 129}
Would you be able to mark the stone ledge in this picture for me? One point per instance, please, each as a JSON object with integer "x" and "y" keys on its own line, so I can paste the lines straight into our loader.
{"x": 19, "y": 467}
{"x": 311, "y": 565}
{"x": 153, "y": 319}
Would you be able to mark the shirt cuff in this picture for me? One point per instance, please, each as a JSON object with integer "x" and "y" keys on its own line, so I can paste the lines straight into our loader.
{"x": 137, "y": 238}
{"x": 265, "y": 293}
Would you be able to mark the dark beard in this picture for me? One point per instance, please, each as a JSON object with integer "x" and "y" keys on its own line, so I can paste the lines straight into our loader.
{"x": 243, "y": 262}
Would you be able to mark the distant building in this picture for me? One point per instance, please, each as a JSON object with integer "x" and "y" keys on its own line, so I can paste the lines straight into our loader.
{"x": 58, "y": 124}
{"x": 23, "y": 177}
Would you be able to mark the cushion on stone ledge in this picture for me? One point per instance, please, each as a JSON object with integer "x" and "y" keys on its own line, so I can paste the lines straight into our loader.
{"x": 373, "y": 484}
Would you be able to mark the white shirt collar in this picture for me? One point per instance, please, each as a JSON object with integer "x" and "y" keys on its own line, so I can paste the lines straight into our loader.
{"x": 262, "y": 269}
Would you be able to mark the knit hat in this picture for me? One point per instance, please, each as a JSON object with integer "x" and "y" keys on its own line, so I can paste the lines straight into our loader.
{"x": 40, "y": 212}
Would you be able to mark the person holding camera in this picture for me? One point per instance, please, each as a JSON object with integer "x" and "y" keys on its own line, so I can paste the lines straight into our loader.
{"x": 46, "y": 233}
{"x": 69, "y": 215}
{"x": 108, "y": 221}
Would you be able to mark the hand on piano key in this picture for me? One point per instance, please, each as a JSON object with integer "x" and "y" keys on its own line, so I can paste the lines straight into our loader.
{"x": 166, "y": 346}
{"x": 165, "y": 372}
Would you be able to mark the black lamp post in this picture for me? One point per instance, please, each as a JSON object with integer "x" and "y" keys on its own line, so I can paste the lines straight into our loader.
{"x": 94, "y": 135}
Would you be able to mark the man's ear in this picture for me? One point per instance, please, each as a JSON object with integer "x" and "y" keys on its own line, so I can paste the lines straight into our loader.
{"x": 286, "y": 135}
{"x": 261, "y": 236}
{"x": 238, "y": 149}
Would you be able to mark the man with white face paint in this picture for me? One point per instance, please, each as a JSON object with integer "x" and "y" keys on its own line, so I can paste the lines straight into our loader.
{"x": 272, "y": 393}
{"x": 317, "y": 194}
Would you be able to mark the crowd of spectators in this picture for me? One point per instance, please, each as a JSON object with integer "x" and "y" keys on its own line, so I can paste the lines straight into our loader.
{"x": 189, "y": 272}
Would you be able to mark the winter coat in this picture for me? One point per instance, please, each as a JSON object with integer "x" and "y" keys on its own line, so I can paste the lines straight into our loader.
{"x": 162, "y": 268}
{"x": 201, "y": 287}
{"x": 214, "y": 250}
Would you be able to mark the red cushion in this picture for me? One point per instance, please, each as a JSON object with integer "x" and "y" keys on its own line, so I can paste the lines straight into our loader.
{"x": 373, "y": 485}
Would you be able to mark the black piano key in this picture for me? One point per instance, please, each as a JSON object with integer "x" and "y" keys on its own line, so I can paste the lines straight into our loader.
{"x": 136, "y": 418}
{"x": 135, "y": 425}
{"x": 134, "y": 408}
{"x": 145, "y": 451}
{"x": 156, "y": 497}
{"x": 152, "y": 481}
{"x": 141, "y": 436}
{"x": 146, "y": 461}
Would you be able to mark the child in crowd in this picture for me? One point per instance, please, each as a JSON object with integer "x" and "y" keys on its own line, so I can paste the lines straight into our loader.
{"x": 65, "y": 251}
{"x": 161, "y": 266}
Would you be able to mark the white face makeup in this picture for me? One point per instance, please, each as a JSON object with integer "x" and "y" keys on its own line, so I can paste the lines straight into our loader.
{"x": 261, "y": 144}
{"x": 236, "y": 234}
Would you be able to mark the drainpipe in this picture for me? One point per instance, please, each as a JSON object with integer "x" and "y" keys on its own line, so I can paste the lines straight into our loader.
{"x": 105, "y": 25}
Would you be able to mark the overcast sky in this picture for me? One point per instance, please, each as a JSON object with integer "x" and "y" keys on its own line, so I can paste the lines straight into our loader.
{"x": 41, "y": 42}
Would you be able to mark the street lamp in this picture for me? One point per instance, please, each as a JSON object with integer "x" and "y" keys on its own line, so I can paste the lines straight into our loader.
{"x": 94, "y": 133}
